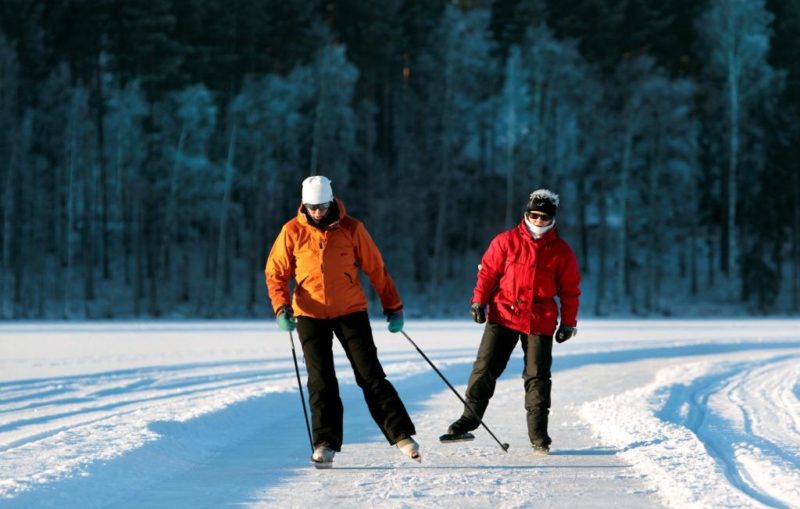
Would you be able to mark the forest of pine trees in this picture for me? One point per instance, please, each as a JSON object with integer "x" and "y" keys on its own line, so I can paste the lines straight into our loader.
{"x": 151, "y": 151}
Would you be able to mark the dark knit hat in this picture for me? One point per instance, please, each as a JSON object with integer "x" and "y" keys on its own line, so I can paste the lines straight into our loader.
{"x": 543, "y": 200}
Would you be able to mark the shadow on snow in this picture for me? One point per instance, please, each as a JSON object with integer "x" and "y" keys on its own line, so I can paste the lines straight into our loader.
{"x": 228, "y": 457}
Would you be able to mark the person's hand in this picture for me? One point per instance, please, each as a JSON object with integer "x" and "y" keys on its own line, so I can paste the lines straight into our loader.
{"x": 395, "y": 319}
{"x": 286, "y": 319}
{"x": 478, "y": 312}
{"x": 565, "y": 332}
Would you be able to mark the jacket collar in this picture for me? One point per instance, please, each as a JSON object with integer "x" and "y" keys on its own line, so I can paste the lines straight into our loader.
{"x": 549, "y": 236}
{"x": 303, "y": 219}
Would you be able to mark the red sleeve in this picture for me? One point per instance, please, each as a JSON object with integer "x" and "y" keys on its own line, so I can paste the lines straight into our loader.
{"x": 490, "y": 270}
{"x": 569, "y": 287}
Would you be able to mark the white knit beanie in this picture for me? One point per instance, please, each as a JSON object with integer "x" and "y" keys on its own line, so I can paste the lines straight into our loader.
{"x": 317, "y": 190}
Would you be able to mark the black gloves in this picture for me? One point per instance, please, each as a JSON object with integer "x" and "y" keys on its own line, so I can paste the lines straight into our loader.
{"x": 478, "y": 312}
{"x": 565, "y": 332}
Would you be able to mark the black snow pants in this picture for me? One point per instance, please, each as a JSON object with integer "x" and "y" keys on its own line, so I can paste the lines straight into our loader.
{"x": 355, "y": 335}
{"x": 497, "y": 344}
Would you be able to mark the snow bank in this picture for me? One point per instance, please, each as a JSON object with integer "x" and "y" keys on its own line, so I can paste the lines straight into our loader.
{"x": 695, "y": 431}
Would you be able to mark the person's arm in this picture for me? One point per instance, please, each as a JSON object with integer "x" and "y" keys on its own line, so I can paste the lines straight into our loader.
{"x": 569, "y": 288}
{"x": 489, "y": 271}
{"x": 279, "y": 270}
{"x": 371, "y": 262}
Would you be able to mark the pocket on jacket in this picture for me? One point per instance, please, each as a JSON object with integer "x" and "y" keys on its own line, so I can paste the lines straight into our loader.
{"x": 545, "y": 282}
{"x": 514, "y": 282}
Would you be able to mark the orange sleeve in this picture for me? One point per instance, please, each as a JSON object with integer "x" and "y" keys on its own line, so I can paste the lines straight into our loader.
{"x": 371, "y": 262}
{"x": 280, "y": 269}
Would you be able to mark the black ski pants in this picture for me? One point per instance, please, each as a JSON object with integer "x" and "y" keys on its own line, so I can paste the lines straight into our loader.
{"x": 496, "y": 347}
{"x": 355, "y": 335}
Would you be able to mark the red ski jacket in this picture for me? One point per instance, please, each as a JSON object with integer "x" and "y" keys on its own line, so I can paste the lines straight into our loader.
{"x": 519, "y": 278}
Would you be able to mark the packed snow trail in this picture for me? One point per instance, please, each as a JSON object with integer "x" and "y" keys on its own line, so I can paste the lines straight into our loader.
{"x": 205, "y": 414}
{"x": 578, "y": 473}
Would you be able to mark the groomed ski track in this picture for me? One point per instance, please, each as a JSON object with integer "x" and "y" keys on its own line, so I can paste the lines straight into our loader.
{"x": 208, "y": 415}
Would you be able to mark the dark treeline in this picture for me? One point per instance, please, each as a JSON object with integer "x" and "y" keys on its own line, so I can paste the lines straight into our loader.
{"x": 150, "y": 151}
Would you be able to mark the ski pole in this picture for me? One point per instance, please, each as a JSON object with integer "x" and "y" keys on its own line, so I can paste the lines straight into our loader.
{"x": 302, "y": 396}
{"x": 503, "y": 446}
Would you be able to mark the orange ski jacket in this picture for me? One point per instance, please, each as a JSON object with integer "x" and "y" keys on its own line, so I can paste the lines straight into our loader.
{"x": 324, "y": 264}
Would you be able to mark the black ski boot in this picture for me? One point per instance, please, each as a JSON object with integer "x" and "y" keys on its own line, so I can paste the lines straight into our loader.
{"x": 459, "y": 431}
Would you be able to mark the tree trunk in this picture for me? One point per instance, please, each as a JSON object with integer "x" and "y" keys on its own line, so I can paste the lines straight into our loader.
{"x": 170, "y": 224}
{"x": 711, "y": 264}
{"x": 69, "y": 226}
{"x": 185, "y": 276}
{"x": 317, "y": 140}
{"x": 258, "y": 227}
{"x": 510, "y": 159}
{"x": 653, "y": 263}
{"x": 88, "y": 240}
{"x": 693, "y": 240}
{"x": 733, "y": 71}
{"x": 599, "y": 307}
{"x": 17, "y": 260}
{"x": 222, "y": 239}
{"x": 102, "y": 166}
{"x": 8, "y": 232}
{"x": 124, "y": 201}
{"x": 151, "y": 264}
{"x": 138, "y": 250}
{"x": 658, "y": 253}
{"x": 510, "y": 91}
{"x": 623, "y": 288}
{"x": 583, "y": 225}
{"x": 444, "y": 188}
{"x": 537, "y": 127}
{"x": 796, "y": 244}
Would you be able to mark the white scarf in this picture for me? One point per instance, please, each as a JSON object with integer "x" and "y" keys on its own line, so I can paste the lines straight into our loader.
{"x": 538, "y": 231}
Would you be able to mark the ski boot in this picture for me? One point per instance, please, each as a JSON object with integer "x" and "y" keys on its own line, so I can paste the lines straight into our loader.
{"x": 323, "y": 456}
{"x": 410, "y": 448}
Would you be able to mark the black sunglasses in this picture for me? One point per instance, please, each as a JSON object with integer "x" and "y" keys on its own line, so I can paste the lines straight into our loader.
{"x": 538, "y": 215}
{"x": 322, "y": 206}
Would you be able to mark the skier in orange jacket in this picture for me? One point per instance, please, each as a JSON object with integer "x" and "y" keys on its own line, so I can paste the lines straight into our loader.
{"x": 323, "y": 249}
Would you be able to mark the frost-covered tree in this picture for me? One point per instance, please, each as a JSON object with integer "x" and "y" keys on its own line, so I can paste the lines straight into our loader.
{"x": 563, "y": 120}
{"x": 514, "y": 106}
{"x": 459, "y": 100}
{"x": 657, "y": 160}
{"x": 270, "y": 113}
{"x": 187, "y": 186}
{"x": 9, "y": 167}
{"x": 334, "y": 119}
{"x": 670, "y": 157}
{"x": 126, "y": 147}
{"x": 57, "y": 182}
{"x": 558, "y": 84}
{"x": 735, "y": 37}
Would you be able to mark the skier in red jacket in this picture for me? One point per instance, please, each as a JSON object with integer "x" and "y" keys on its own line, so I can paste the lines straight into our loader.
{"x": 520, "y": 275}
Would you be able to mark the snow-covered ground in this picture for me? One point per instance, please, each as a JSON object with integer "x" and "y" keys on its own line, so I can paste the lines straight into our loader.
{"x": 207, "y": 414}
